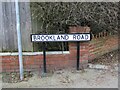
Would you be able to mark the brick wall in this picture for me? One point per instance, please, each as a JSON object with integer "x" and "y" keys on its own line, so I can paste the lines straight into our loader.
{"x": 99, "y": 45}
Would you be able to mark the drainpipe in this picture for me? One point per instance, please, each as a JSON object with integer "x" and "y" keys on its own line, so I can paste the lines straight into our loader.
{"x": 19, "y": 39}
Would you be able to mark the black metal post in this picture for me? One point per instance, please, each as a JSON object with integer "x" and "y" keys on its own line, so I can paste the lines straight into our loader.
{"x": 78, "y": 55}
{"x": 44, "y": 57}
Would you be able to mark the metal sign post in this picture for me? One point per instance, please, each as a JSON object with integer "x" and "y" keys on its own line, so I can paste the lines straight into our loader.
{"x": 44, "y": 57}
{"x": 61, "y": 38}
{"x": 78, "y": 55}
{"x": 19, "y": 39}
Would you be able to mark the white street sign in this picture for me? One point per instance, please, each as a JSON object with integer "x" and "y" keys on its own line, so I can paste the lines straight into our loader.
{"x": 60, "y": 37}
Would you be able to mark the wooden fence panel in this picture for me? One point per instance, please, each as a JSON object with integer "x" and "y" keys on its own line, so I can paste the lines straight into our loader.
{"x": 8, "y": 26}
{"x": 14, "y": 26}
{"x": 25, "y": 26}
{"x": 5, "y": 27}
{"x": 36, "y": 27}
{"x": 1, "y": 30}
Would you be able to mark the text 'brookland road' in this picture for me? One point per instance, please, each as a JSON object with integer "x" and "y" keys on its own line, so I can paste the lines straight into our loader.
{"x": 60, "y": 37}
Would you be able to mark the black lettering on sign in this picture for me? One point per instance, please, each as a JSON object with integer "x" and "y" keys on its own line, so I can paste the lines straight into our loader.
{"x": 34, "y": 37}
{"x": 86, "y": 37}
{"x": 50, "y": 37}
{"x": 53, "y": 38}
{"x": 38, "y": 37}
{"x": 47, "y": 38}
{"x": 66, "y": 37}
{"x": 78, "y": 37}
{"x": 58, "y": 37}
{"x": 42, "y": 38}
{"x": 62, "y": 37}
{"x": 74, "y": 37}
{"x": 82, "y": 37}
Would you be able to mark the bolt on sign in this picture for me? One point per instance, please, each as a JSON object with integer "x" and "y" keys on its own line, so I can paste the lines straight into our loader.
{"x": 60, "y": 38}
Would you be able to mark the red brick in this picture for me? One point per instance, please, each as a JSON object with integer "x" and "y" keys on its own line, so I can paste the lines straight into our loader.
{"x": 11, "y": 63}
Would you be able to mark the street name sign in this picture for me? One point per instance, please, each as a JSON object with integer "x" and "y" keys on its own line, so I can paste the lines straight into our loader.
{"x": 60, "y": 37}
